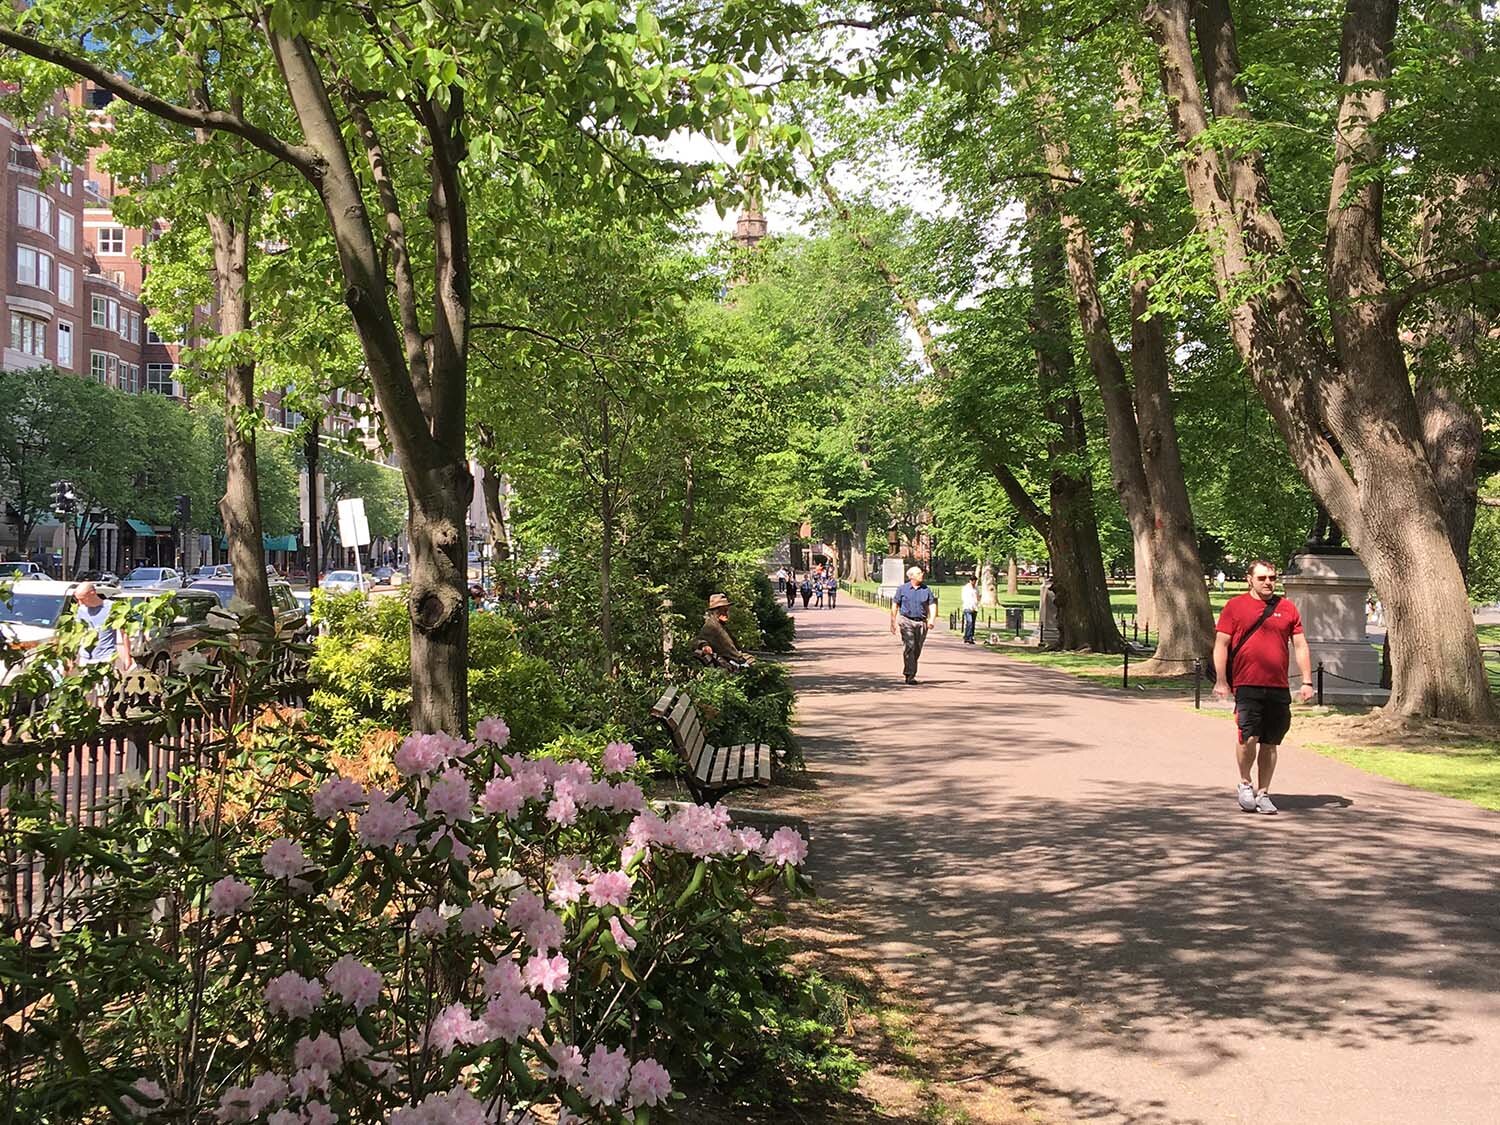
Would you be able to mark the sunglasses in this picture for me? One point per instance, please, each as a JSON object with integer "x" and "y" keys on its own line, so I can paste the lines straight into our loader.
{"x": 1265, "y": 578}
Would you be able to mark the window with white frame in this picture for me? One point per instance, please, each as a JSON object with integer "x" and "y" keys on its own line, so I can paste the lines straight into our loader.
{"x": 65, "y": 180}
{"x": 99, "y": 366}
{"x": 159, "y": 378}
{"x": 130, "y": 377}
{"x": 151, "y": 336}
{"x": 28, "y": 334}
{"x": 135, "y": 328}
{"x": 117, "y": 276}
{"x": 65, "y": 229}
{"x": 98, "y": 311}
{"x": 64, "y": 344}
{"x": 33, "y": 210}
{"x": 113, "y": 324}
{"x": 64, "y": 284}
{"x": 111, "y": 240}
{"x": 33, "y": 267}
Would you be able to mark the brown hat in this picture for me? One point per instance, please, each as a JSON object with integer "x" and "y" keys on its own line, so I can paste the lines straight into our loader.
{"x": 718, "y": 601}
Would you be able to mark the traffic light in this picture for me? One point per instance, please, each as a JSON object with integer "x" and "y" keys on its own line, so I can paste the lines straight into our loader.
{"x": 184, "y": 509}
{"x": 64, "y": 499}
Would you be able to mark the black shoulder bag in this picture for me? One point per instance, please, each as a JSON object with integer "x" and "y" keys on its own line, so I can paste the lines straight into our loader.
{"x": 1271, "y": 603}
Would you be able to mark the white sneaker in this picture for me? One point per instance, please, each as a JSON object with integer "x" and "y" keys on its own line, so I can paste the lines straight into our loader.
{"x": 1245, "y": 794}
{"x": 1263, "y": 804}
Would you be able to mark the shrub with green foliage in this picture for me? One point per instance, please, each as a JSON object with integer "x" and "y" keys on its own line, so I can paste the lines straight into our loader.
{"x": 361, "y": 667}
{"x": 753, "y": 705}
{"x": 777, "y": 629}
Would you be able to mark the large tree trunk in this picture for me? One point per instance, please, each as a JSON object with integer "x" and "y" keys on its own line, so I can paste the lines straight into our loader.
{"x": 239, "y": 509}
{"x": 494, "y": 509}
{"x": 1084, "y": 616}
{"x": 987, "y": 584}
{"x": 1012, "y": 578}
{"x": 859, "y": 556}
{"x": 1360, "y": 400}
{"x": 437, "y": 533}
{"x": 311, "y": 448}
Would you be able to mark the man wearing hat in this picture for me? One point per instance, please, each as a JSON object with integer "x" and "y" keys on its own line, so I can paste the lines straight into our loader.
{"x": 713, "y": 640}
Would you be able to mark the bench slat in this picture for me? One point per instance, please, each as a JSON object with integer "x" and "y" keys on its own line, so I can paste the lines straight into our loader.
{"x": 663, "y": 706}
{"x": 706, "y": 764}
{"x": 681, "y": 711}
{"x": 763, "y": 763}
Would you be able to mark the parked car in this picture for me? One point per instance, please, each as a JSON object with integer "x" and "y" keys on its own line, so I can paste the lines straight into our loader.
{"x": 159, "y": 576}
{"x": 383, "y": 575}
{"x": 98, "y": 577}
{"x": 343, "y": 582}
{"x": 32, "y": 611}
{"x": 21, "y": 569}
{"x": 291, "y": 615}
{"x": 190, "y": 624}
{"x": 211, "y": 570}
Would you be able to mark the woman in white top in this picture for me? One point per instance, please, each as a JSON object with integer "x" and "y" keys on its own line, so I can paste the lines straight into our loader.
{"x": 970, "y": 597}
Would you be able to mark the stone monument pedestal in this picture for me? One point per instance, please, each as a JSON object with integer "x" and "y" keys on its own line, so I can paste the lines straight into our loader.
{"x": 892, "y": 574}
{"x": 1329, "y": 586}
{"x": 1048, "y": 633}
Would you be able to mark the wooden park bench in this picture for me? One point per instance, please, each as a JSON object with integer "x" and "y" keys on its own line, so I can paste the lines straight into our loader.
{"x": 710, "y": 770}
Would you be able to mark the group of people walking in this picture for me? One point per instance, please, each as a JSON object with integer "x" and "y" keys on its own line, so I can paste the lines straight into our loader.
{"x": 819, "y": 587}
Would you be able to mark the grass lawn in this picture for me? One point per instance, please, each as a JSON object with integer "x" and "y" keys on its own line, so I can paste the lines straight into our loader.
{"x": 1469, "y": 772}
{"x": 1121, "y": 598}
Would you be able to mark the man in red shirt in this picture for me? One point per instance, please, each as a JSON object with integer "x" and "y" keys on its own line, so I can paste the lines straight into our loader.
{"x": 1250, "y": 654}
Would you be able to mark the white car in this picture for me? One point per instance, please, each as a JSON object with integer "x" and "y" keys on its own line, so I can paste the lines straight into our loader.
{"x": 22, "y": 569}
{"x": 151, "y": 576}
{"x": 344, "y": 582}
{"x": 31, "y": 614}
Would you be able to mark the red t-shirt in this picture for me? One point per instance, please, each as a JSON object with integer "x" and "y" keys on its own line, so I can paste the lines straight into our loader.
{"x": 1263, "y": 660}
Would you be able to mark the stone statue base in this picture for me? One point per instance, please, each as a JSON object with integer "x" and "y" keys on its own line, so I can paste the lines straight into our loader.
{"x": 892, "y": 574}
{"x": 1329, "y": 587}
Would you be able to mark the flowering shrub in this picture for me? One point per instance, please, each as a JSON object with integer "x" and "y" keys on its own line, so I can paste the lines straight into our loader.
{"x": 488, "y": 935}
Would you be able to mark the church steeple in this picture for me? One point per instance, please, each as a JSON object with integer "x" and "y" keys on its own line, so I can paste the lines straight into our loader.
{"x": 750, "y": 227}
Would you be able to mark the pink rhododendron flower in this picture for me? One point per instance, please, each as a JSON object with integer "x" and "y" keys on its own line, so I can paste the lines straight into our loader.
{"x": 606, "y": 1075}
{"x": 422, "y": 753}
{"x": 387, "y": 821}
{"x": 492, "y": 731}
{"x": 228, "y": 896}
{"x": 287, "y": 1116}
{"x": 456, "y": 1107}
{"x": 786, "y": 845}
{"x": 748, "y": 840}
{"x": 476, "y": 919}
{"x": 544, "y": 933}
{"x": 610, "y": 888}
{"x": 567, "y": 1061}
{"x": 503, "y": 976}
{"x": 566, "y": 886}
{"x": 241, "y": 1103}
{"x": 621, "y": 935}
{"x": 293, "y": 995}
{"x": 524, "y": 909}
{"x": 284, "y": 859}
{"x": 450, "y": 796}
{"x": 458, "y": 851}
{"x": 354, "y": 982}
{"x": 530, "y": 778}
{"x": 562, "y": 810}
{"x": 318, "y": 1113}
{"x": 647, "y": 829}
{"x": 626, "y": 796}
{"x": 354, "y": 1044}
{"x": 650, "y": 1084}
{"x": 336, "y": 795}
{"x": 550, "y": 974}
{"x": 151, "y": 1092}
{"x": 308, "y": 1081}
{"x": 510, "y": 1015}
{"x": 618, "y": 757}
{"x": 700, "y": 831}
{"x": 428, "y": 923}
{"x": 454, "y": 1025}
{"x": 318, "y": 1051}
{"x": 502, "y": 795}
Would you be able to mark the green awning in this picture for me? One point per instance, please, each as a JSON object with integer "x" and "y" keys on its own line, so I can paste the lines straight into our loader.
{"x": 270, "y": 542}
{"x": 142, "y": 528}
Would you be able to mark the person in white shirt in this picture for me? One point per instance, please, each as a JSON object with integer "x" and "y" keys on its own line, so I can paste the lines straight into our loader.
{"x": 970, "y": 598}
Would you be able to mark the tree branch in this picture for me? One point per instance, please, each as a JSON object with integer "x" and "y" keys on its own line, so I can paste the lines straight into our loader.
{"x": 1438, "y": 278}
{"x": 304, "y": 159}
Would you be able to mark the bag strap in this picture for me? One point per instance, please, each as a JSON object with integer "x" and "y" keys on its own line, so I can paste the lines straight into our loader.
{"x": 1271, "y": 603}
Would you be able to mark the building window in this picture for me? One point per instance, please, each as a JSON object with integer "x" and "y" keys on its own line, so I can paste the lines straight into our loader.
{"x": 65, "y": 284}
{"x": 33, "y": 210}
{"x": 152, "y": 337}
{"x": 64, "y": 344}
{"x": 65, "y": 185}
{"x": 33, "y": 267}
{"x": 99, "y": 312}
{"x": 113, "y": 323}
{"x": 21, "y": 155}
{"x": 130, "y": 377}
{"x": 111, "y": 240}
{"x": 135, "y": 328}
{"x": 99, "y": 366}
{"x": 159, "y": 378}
{"x": 28, "y": 334}
{"x": 65, "y": 228}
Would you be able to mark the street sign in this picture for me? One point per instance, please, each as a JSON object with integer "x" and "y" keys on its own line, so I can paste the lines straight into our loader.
{"x": 354, "y": 529}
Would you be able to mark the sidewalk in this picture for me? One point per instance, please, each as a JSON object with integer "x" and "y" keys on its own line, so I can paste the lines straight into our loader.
{"x": 1063, "y": 872}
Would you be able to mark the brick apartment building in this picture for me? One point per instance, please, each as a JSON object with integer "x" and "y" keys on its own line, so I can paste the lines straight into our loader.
{"x": 72, "y": 279}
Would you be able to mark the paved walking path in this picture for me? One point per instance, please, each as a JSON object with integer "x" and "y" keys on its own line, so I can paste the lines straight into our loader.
{"x": 1064, "y": 873}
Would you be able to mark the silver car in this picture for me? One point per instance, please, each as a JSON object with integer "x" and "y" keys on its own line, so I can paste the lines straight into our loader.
{"x": 344, "y": 582}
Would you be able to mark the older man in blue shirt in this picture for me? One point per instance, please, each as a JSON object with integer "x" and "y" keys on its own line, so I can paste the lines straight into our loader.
{"x": 913, "y": 611}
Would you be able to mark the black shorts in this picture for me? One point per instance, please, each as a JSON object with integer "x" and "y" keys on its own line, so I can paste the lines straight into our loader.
{"x": 1263, "y": 712}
